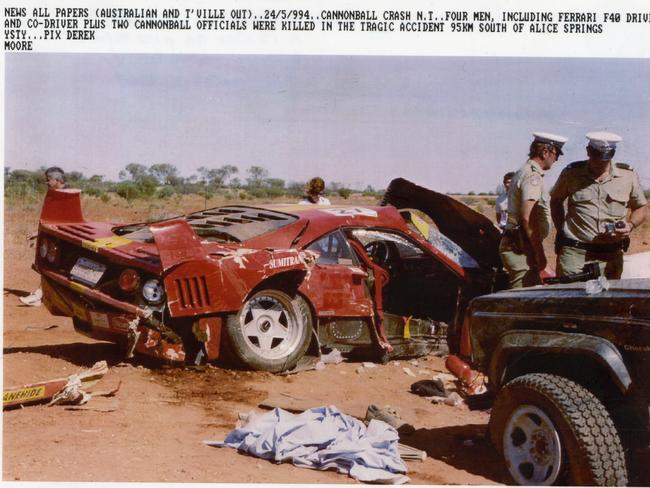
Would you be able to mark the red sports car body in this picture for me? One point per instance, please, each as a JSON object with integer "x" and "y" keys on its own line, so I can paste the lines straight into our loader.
{"x": 267, "y": 284}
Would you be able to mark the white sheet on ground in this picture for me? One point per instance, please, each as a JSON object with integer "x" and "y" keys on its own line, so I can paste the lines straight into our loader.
{"x": 322, "y": 438}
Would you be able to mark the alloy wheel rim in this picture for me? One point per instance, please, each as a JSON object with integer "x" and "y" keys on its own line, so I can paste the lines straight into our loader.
{"x": 270, "y": 327}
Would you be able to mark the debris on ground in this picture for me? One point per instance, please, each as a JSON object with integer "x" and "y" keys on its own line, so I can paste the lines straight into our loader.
{"x": 453, "y": 399}
{"x": 332, "y": 357}
{"x": 429, "y": 388}
{"x": 32, "y": 300}
{"x": 409, "y": 372}
{"x": 38, "y": 327}
{"x": 322, "y": 438}
{"x": 481, "y": 401}
{"x": 48, "y": 390}
{"x": 72, "y": 393}
{"x": 368, "y": 365}
{"x": 408, "y": 453}
{"x": 389, "y": 415}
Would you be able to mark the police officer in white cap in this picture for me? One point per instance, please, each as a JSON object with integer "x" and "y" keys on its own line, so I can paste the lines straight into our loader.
{"x": 529, "y": 218}
{"x": 605, "y": 202}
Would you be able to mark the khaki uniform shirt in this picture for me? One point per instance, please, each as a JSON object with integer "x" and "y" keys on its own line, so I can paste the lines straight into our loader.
{"x": 528, "y": 184}
{"x": 592, "y": 204}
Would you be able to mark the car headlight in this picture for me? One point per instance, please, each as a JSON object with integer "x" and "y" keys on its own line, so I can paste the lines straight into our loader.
{"x": 42, "y": 248}
{"x": 49, "y": 250}
{"x": 153, "y": 291}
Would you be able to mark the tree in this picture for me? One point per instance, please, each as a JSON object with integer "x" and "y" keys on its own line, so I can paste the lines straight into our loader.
{"x": 137, "y": 171}
{"x": 344, "y": 192}
{"x": 74, "y": 176}
{"x": 164, "y": 173}
{"x": 256, "y": 177}
{"x": 277, "y": 183}
{"x": 296, "y": 189}
{"x": 225, "y": 172}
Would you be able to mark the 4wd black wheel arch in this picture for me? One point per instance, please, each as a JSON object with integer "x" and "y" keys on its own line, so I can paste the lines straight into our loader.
{"x": 547, "y": 425}
{"x": 526, "y": 342}
{"x": 271, "y": 332}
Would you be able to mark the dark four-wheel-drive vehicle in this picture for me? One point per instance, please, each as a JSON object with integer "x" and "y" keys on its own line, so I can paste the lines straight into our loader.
{"x": 268, "y": 284}
{"x": 570, "y": 372}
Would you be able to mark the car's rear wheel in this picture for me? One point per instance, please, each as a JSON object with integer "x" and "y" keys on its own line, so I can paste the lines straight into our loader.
{"x": 271, "y": 332}
{"x": 551, "y": 430}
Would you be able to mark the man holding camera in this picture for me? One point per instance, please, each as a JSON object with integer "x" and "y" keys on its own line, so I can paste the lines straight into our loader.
{"x": 595, "y": 226}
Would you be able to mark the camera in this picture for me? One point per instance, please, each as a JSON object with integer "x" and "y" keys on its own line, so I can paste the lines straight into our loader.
{"x": 611, "y": 227}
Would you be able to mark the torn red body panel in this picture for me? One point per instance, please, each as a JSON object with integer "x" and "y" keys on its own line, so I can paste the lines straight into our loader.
{"x": 264, "y": 281}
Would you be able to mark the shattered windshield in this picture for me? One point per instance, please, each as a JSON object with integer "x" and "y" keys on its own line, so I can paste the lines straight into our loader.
{"x": 450, "y": 249}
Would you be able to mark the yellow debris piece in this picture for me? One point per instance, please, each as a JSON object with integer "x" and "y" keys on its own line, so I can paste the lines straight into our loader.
{"x": 407, "y": 327}
{"x": 111, "y": 242}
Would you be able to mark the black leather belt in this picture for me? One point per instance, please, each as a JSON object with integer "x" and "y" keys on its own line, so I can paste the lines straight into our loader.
{"x": 595, "y": 248}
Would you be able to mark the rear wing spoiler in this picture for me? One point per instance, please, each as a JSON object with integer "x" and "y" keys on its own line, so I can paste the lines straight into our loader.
{"x": 62, "y": 206}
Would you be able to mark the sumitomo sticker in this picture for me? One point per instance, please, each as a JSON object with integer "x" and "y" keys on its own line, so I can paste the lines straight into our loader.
{"x": 284, "y": 262}
{"x": 351, "y": 212}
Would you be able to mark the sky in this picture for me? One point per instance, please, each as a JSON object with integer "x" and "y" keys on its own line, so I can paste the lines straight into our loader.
{"x": 454, "y": 124}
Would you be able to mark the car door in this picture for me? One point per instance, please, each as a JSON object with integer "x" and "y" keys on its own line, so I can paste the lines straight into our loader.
{"x": 336, "y": 284}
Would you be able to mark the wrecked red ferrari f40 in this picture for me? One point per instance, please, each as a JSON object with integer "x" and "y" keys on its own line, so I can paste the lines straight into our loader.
{"x": 267, "y": 284}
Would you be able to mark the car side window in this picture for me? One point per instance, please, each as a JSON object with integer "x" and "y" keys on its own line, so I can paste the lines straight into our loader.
{"x": 332, "y": 249}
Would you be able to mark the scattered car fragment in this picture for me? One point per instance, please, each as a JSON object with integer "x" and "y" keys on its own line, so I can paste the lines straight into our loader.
{"x": 57, "y": 390}
{"x": 265, "y": 284}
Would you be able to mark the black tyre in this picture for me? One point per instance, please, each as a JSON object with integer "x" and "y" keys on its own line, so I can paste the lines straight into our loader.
{"x": 551, "y": 430}
{"x": 271, "y": 332}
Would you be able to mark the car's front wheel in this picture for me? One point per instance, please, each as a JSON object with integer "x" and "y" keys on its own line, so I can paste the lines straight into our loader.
{"x": 271, "y": 332}
{"x": 551, "y": 430}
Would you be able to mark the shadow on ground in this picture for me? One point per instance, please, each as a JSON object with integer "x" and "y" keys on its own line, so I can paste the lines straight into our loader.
{"x": 78, "y": 353}
{"x": 16, "y": 292}
{"x": 460, "y": 446}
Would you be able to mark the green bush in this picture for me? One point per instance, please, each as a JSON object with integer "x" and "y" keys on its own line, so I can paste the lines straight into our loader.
{"x": 344, "y": 193}
{"x": 258, "y": 192}
{"x": 127, "y": 190}
{"x": 94, "y": 192}
{"x": 275, "y": 192}
{"x": 165, "y": 192}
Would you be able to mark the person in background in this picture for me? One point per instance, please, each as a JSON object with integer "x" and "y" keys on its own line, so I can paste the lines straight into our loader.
{"x": 313, "y": 193}
{"x": 599, "y": 194}
{"x": 529, "y": 219}
{"x": 501, "y": 204}
{"x": 55, "y": 179}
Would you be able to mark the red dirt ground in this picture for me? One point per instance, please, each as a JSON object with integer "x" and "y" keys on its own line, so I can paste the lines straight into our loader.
{"x": 155, "y": 434}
